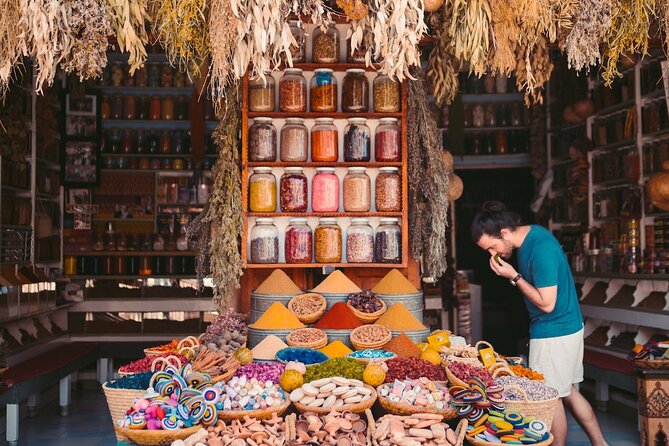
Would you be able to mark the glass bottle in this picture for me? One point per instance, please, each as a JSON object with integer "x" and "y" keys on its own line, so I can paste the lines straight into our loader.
{"x": 154, "y": 109}
{"x": 294, "y": 145}
{"x": 325, "y": 190}
{"x": 355, "y": 91}
{"x": 328, "y": 243}
{"x": 142, "y": 77}
{"x": 387, "y": 141}
{"x": 105, "y": 108}
{"x": 165, "y": 143}
{"x": 262, "y": 140}
{"x": 298, "y": 52}
{"x": 357, "y": 138}
{"x": 261, "y": 94}
{"x": 324, "y": 141}
{"x": 359, "y": 241}
{"x": 298, "y": 241}
{"x": 181, "y": 105}
{"x": 262, "y": 190}
{"x": 129, "y": 108}
{"x": 489, "y": 84}
{"x": 325, "y": 44}
{"x": 388, "y": 243}
{"x": 490, "y": 117}
{"x": 387, "y": 94}
{"x": 478, "y": 115}
{"x": 167, "y": 108}
{"x": 501, "y": 143}
{"x": 143, "y": 107}
{"x": 388, "y": 190}
{"x": 293, "y": 190}
{"x": 154, "y": 74}
{"x": 116, "y": 107}
{"x": 501, "y": 84}
{"x": 114, "y": 141}
{"x": 357, "y": 190}
{"x": 127, "y": 144}
{"x": 293, "y": 91}
{"x": 166, "y": 76}
{"x": 323, "y": 92}
{"x": 264, "y": 241}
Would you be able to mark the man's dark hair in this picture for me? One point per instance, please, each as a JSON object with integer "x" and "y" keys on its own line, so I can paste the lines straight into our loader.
{"x": 491, "y": 219}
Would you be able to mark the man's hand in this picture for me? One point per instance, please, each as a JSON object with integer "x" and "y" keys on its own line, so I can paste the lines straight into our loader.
{"x": 501, "y": 268}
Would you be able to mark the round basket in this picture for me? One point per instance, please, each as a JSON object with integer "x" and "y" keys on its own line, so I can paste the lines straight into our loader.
{"x": 449, "y": 413}
{"x": 119, "y": 401}
{"x": 368, "y": 318}
{"x": 355, "y": 408}
{"x": 651, "y": 364}
{"x": 360, "y": 345}
{"x": 368, "y": 360}
{"x": 313, "y": 317}
{"x": 542, "y": 410}
{"x": 145, "y": 437}
{"x": 320, "y": 343}
{"x": 151, "y": 351}
{"x": 476, "y": 442}
{"x": 500, "y": 369}
{"x": 260, "y": 414}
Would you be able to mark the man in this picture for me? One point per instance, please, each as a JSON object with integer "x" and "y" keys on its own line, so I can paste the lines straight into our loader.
{"x": 556, "y": 323}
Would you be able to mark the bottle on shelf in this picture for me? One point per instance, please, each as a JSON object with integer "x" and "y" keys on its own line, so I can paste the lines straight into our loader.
{"x": 264, "y": 241}
{"x": 359, "y": 241}
{"x": 323, "y": 92}
{"x": 328, "y": 241}
{"x": 325, "y": 44}
{"x": 298, "y": 241}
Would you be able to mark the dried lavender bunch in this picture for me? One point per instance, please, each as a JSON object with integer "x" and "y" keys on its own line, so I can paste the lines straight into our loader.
{"x": 587, "y": 34}
{"x": 230, "y": 321}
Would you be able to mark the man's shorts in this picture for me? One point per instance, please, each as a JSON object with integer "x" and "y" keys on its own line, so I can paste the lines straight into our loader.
{"x": 559, "y": 359}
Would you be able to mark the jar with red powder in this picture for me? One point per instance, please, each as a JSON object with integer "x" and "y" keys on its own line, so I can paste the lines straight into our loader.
{"x": 387, "y": 141}
{"x": 293, "y": 190}
{"x": 299, "y": 241}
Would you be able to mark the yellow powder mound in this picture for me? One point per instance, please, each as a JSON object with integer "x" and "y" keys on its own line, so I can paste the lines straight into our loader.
{"x": 278, "y": 283}
{"x": 277, "y": 317}
{"x": 394, "y": 283}
{"x": 336, "y": 349}
{"x": 398, "y": 318}
{"x": 336, "y": 283}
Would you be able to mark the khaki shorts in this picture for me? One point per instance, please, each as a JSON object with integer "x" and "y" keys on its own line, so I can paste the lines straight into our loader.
{"x": 559, "y": 359}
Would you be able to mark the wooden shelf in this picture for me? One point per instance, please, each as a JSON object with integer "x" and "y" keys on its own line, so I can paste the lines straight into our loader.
{"x": 134, "y": 254}
{"x": 314, "y": 115}
{"x": 145, "y": 304}
{"x": 492, "y": 98}
{"x": 494, "y": 129}
{"x": 129, "y": 220}
{"x": 146, "y": 123}
{"x": 613, "y": 182}
{"x": 34, "y": 314}
{"x": 614, "y": 109}
{"x": 320, "y": 265}
{"x": 630, "y": 143}
{"x": 146, "y": 155}
{"x": 631, "y": 316}
{"x": 623, "y": 276}
{"x": 148, "y": 91}
{"x": 132, "y": 277}
{"x": 656, "y": 136}
{"x": 326, "y": 214}
{"x": 336, "y": 67}
{"x": 492, "y": 161}
{"x": 370, "y": 164}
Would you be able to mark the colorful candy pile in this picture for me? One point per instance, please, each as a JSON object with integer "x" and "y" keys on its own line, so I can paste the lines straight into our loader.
{"x": 243, "y": 393}
{"x": 509, "y": 428}
{"x": 417, "y": 392}
{"x": 474, "y": 402}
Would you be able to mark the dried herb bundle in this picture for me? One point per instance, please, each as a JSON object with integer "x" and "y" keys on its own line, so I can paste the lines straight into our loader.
{"x": 587, "y": 34}
{"x": 127, "y": 18}
{"x": 222, "y": 38}
{"x": 538, "y": 141}
{"x": 442, "y": 65}
{"x": 506, "y": 34}
{"x": 628, "y": 33}
{"x": 11, "y": 41}
{"x": 89, "y": 31}
{"x": 319, "y": 13}
{"x": 428, "y": 181}
{"x": 181, "y": 28}
{"x": 533, "y": 70}
{"x": 469, "y": 27}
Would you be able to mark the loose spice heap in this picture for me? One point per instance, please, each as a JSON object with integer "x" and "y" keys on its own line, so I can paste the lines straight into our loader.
{"x": 336, "y": 349}
{"x": 402, "y": 346}
{"x": 268, "y": 347}
{"x": 278, "y": 283}
{"x": 393, "y": 284}
{"x": 339, "y": 317}
{"x": 525, "y": 372}
{"x": 465, "y": 372}
{"x": 535, "y": 390}
{"x": 344, "y": 367}
{"x": 398, "y": 318}
{"x": 277, "y": 317}
{"x": 336, "y": 283}
{"x": 412, "y": 368}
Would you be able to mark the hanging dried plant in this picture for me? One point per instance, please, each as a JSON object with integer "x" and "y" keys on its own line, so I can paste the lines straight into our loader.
{"x": 428, "y": 181}
{"x": 587, "y": 34}
{"x": 128, "y": 18}
{"x": 89, "y": 32}
{"x": 506, "y": 34}
{"x": 442, "y": 65}
{"x": 222, "y": 38}
{"x": 318, "y": 12}
{"x": 354, "y": 9}
{"x": 663, "y": 14}
{"x": 11, "y": 42}
{"x": 391, "y": 32}
{"x": 181, "y": 28}
{"x": 537, "y": 141}
{"x": 469, "y": 27}
{"x": 533, "y": 71}
{"x": 628, "y": 33}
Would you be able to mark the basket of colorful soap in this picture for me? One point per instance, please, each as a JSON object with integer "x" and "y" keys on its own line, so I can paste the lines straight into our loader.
{"x": 332, "y": 428}
{"x": 308, "y": 307}
{"x": 370, "y": 336}
{"x": 258, "y": 397}
{"x": 121, "y": 393}
{"x": 307, "y": 338}
{"x": 366, "y": 306}
{"x": 427, "y": 429}
{"x": 508, "y": 427}
{"x": 529, "y": 397}
{"x": 416, "y": 396}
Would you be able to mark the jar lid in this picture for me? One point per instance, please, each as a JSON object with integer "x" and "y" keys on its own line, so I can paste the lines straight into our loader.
{"x": 323, "y": 70}
{"x": 387, "y": 120}
{"x": 357, "y": 169}
{"x": 264, "y": 221}
{"x": 262, "y": 169}
{"x": 357, "y": 120}
{"x": 355, "y": 70}
{"x": 325, "y": 169}
{"x": 295, "y": 120}
{"x": 359, "y": 221}
{"x": 388, "y": 169}
{"x": 262, "y": 119}
{"x": 293, "y": 70}
{"x": 297, "y": 221}
{"x": 293, "y": 169}
{"x": 386, "y": 221}
{"x": 324, "y": 120}
{"x": 327, "y": 221}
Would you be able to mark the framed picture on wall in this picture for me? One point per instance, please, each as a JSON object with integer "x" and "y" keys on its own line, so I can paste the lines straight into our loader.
{"x": 80, "y": 151}
{"x": 81, "y": 117}
{"x": 81, "y": 163}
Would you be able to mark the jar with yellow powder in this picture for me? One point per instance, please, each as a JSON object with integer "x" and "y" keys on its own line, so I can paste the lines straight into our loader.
{"x": 262, "y": 190}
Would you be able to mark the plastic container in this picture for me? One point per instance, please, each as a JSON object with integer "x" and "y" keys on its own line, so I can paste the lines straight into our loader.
{"x": 262, "y": 190}
{"x": 388, "y": 190}
{"x": 325, "y": 45}
{"x": 262, "y": 140}
{"x": 357, "y": 140}
{"x": 261, "y": 94}
{"x": 294, "y": 145}
{"x": 328, "y": 243}
{"x": 264, "y": 242}
{"x": 293, "y": 190}
{"x": 357, "y": 190}
{"x": 293, "y": 91}
{"x": 325, "y": 190}
{"x": 324, "y": 141}
{"x": 387, "y": 95}
{"x": 298, "y": 241}
{"x": 388, "y": 241}
{"x": 388, "y": 141}
{"x": 359, "y": 241}
{"x": 355, "y": 91}
{"x": 323, "y": 92}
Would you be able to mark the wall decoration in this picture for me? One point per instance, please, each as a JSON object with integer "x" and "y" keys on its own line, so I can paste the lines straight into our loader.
{"x": 80, "y": 163}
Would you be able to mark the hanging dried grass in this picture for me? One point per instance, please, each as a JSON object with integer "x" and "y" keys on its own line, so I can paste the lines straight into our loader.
{"x": 11, "y": 42}
{"x": 89, "y": 31}
{"x": 590, "y": 27}
{"x": 181, "y": 28}
{"x": 505, "y": 35}
{"x": 663, "y": 14}
{"x": 628, "y": 33}
{"x": 319, "y": 13}
{"x": 428, "y": 181}
{"x": 222, "y": 38}
{"x": 442, "y": 65}
{"x": 533, "y": 70}
{"x": 128, "y": 18}
{"x": 538, "y": 159}
{"x": 469, "y": 28}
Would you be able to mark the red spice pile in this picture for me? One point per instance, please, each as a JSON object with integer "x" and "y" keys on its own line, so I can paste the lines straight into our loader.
{"x": 402, "y": 346}
{"x": 413, "y": 368}
{"x": 466, "y": 372}
{"x": 339, "y": 317}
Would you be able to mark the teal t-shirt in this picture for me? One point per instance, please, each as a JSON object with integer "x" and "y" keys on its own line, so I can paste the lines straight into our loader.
{"x": 542, "y": 263}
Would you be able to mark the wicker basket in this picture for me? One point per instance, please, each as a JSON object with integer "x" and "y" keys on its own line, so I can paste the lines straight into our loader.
{"x": 476, "y": 442}
{"x": 355, "y": 408}
{"x": 145, "y": 437}
{"x": 359, "y": 345}
{"x": 119, "y": 401}
{"x": 368, "y": 318}
{"x": 651, "y": 364}
{"x": 542, "y": 410}
{"x": 322, "y": 342}
{"x": 500, "y": 369}
{"x": 449, "y": 413}
{"x": 149, "y": 352}
{"x": 313, "y": 317}
{"x": 260, "y": 414}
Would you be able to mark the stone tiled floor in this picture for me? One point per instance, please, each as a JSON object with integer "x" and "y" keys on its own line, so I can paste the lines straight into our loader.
{"x": 89, "y": 425}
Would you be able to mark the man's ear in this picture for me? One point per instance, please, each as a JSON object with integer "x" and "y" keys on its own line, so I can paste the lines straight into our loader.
{"x": 504, "y": 233}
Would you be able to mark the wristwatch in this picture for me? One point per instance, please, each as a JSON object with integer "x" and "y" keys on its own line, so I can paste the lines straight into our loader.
{"x": 515, "y": 280}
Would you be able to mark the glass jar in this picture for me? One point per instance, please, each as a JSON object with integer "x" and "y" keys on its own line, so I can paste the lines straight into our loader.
{"x": 293, "y": 91}
{"x": 298, "y": 52}
{"x": 325, "y": 45}
{"x": 357, "y": 140}
{"x": 328, "y": 242}
{"x": 324, "y": 141}
{"x": 114, "y": 139}
{"x": 142, "y": 77}
{"x": 154, "y": 108}
{"x": 116, "y": 107}
{"x": 516, "y": 115}
{"x": 323, "y": 93}
{"x": 490, "y": 117}
{"x": 264, "y": 241}
{"x": 165, "y": 143}
{"x": 293, "y": 190}
{"x": 262, "y": 140}
{"x": 387, "y": 141}
{"x": 501, "y": 84}
{"x": 357, "y": 190}
{"x": 166, "y": 76}
{"x": 388, "y": 190}
{"x": 325, "y": 190}
{"x": 129, "y": 108}
{"x": 143, "y": 107}
{"x": 294, "y": 145}
{"x": 127, "y": 143}
{"x": 261, "y": 94}
{"x": 501, "y": 143}
{"x": 355, "y": 91}
{"x": 105, "y": 108}
{"x": 359, "y": 241}
{"x": 387, "y": 95}
{"x": 262, "y": 190}
{"x": 478, "y": 115}
{"x": 181, "y": 105}
{"x": 388, "y": 243}
{"x": 357, "y": 55}
{"x": 167, "y": 108}
{"x": 154, "y": 74}
{"x": 299, "y": 241}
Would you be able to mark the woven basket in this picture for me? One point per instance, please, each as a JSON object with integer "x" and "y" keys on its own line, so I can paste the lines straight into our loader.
{"x": 651, "y": 364}
{"x": 359, "y": 345}
{"x": 119, "y": 401}
{"x": 368, "y": 318}
{"x": 149, "y": 352}
{"x": 542, "y": 410}
{"x": 145, "y": 437}
{"x": 260, "y": 414}
{"x": 449, "y": 413}
{"x": 476, "y": 442}
{"x": 313, "y": 317}
{"x": 322, "y": 342}
{"x": 500, "y": 369}
{"x": 355, "y": 408}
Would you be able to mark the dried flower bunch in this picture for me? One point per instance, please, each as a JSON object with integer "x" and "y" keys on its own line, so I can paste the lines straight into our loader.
{"x": 128, "y": 18}
{"x": 587, "y": 34}
{"x": 533, "y": 70}
{"x": 316, "y": 10}
{"x": 222, "y": 40}
{"x": 443, "y": 66}
{"x": 469, "y": 28}
{"x": 506, "y": 33}
{"x": 11, "y": 41}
